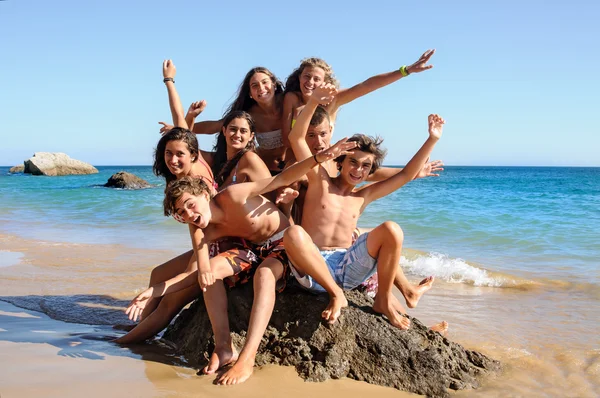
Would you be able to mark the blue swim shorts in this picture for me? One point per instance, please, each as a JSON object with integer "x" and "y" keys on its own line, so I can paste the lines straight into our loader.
{"x": 349, "y": 267}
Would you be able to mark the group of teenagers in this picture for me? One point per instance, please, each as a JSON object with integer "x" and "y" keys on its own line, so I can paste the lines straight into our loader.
{"x": 285, "y": 211}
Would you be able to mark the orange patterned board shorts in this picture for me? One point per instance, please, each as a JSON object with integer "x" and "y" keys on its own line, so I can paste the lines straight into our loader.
{"x": 244, "y": 257}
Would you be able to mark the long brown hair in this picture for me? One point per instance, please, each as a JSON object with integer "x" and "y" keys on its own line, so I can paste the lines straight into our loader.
{"x": 221, "y": 167}
{"x": 243, "y": 102}
{"x": 159, "y": 167}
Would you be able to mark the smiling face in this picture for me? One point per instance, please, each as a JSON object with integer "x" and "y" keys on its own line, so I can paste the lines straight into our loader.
{"x": 319, "y": 137}
{"x": 194, "y": 209}
{"x": 237, "y": 134}
{"x": 178, "y": 158}
{"x": 311, "y": 78}
{"x": 356, "y": 167}
{"x": 261, "y": 88}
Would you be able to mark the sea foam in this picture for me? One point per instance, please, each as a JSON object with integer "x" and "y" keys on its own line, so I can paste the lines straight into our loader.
{"x": 454, "y": 270}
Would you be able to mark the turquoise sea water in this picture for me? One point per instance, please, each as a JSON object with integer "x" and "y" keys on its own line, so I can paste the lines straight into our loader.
{"x": 528, "y": 222}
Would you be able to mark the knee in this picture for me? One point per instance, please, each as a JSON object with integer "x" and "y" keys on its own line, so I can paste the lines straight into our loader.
{"x": 393, "y": 232}
{"x": 293, "y": 236}
{"x": 154, "y": 276}
{"x": 262, "y": 276}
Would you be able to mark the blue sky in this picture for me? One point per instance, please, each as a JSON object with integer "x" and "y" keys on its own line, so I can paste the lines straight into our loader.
{"x": 516, "y": 81}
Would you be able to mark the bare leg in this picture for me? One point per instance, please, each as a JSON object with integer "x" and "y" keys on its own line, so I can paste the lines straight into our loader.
{"x": 167, "y": 307}
{"x": 308, "y": 261}
{"x": 385, "y": 244}
{"x": 164, "y": 272}
{"x": 441, "y": 328}
{"x": 265, "y": 278}
{"x": 215, "y": 299}
{"x": 412, "y": 293}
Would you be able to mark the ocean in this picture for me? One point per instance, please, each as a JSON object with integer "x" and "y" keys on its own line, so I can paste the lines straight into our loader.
{"x": 515, "y": 252}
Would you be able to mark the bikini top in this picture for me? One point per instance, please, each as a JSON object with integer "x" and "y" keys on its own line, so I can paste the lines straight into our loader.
{"x": 269, "y": 139}
{"x": 212, "y": 181}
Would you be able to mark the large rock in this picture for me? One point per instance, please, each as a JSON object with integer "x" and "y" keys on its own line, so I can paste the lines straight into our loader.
{"x": 17, "y": 169}
{"x": 125, "y": 180}
{"x": 362, "y": 345}
{"x": 56, "y": 164}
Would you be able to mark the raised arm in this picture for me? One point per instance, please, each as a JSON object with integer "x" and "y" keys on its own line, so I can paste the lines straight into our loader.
{"x": 382, "y": 188}
{"x": 321, "y": 95}
{"x": 169, "y": 71}
{"x": 242, "y": 192}
{"x": 195, "y": 109}
{"x": 376, "y": 82}
{"x": 429, "y": 169}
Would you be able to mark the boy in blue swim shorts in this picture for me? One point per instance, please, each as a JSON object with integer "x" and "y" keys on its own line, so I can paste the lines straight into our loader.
{"x": 333, "y": 205}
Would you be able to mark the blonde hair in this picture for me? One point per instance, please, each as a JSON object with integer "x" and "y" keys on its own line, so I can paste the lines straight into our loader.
{"x": 292, "y": 84}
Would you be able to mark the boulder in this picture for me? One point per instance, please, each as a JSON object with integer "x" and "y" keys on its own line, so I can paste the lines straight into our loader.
{"x": 17, "y": 169}
{"x": 56, "y": 164}
{"x": 361, "y": 345}
{"x": 125, "y": 180}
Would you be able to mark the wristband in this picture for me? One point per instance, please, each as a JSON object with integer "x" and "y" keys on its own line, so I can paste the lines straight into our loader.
{"x": 168, "y": 79}
{"x": 403, "y": 71}
{"x": 315, "y": 158}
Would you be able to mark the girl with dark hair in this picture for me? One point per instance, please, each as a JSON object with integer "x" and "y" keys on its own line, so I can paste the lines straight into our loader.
{"x": 233, "y": 159}
{"x": 260, "y": 95}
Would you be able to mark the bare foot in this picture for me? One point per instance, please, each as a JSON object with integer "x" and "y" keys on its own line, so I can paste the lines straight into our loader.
{"x": 386, "y": 307}
{"x": 412, "y": 298}
{"x": 397, "y": 306}
{"x": 221, "y": 356}
{"x": 334, "y": 309}
{"x": 441, "y": 328}
{"x": 239, "y": 373}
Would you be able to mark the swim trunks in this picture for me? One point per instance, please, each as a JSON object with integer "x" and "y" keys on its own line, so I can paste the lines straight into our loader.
{"x": 244, "y": 257}
{"x": 349, "y": 267}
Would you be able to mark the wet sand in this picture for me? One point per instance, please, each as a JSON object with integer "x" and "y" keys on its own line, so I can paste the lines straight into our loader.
{"x": 545, "y": 337}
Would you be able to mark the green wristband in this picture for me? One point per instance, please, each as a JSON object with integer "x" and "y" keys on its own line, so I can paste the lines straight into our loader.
{"x": 404, "y": 71}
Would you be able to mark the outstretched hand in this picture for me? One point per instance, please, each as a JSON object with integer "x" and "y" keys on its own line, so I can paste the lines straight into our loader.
{"x": 166, "y": 127}
{"x": 196, "y": 108}
{"x": 286, "y": 195}
{"x": 324, "y": 94}
{"x": 169, "y": 69}
{"x": 436, "y": 125}
{"x": 342, "y": 147}
{"x": 431, "y": 169}
{"x": 136, "y": 307}
{"x": 420, "y": 65}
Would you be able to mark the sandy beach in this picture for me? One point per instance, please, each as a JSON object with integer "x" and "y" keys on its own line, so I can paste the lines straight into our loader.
{"x": 44, "y": 356}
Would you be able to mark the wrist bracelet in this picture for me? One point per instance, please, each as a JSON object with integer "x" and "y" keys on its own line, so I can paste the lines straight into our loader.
{"x": 168, "y": 79}
{"x": 403, "y": 71}
{"x": 315, "y": 158}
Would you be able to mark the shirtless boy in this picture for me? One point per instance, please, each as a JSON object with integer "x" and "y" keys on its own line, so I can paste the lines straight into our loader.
{"x": 239, "y": 210}
{"x": 335, "y": 205}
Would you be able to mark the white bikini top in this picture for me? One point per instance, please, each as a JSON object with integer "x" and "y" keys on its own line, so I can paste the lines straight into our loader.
{"x": 269, "y": 140}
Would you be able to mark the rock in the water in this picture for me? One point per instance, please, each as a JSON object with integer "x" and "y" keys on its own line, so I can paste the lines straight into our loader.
{"x": 56, "y": 164}
{"x": 17, "y": 169}
{"x": 126, "y": 180}
{"x": 361, "y": 345}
